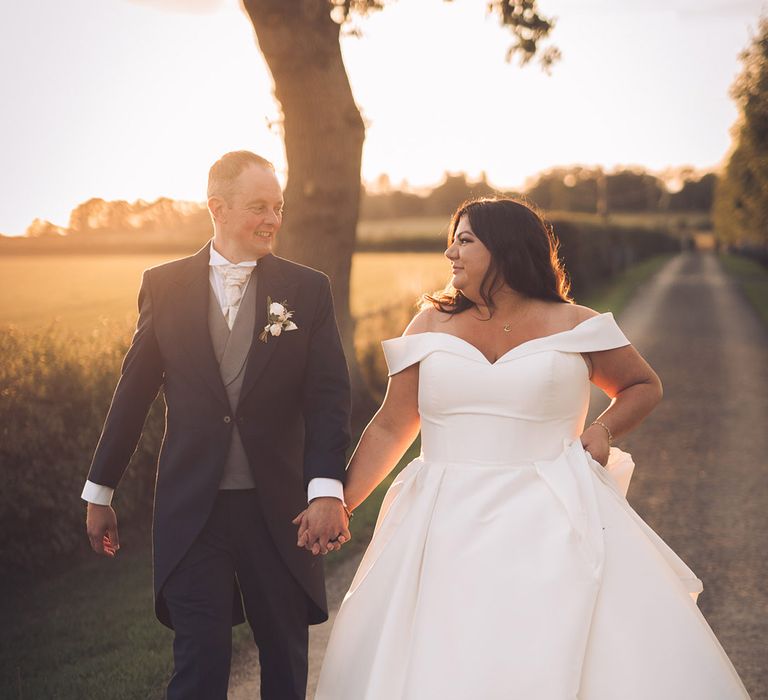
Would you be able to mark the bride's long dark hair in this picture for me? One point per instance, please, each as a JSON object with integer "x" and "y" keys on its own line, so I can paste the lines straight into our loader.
{"x": 523, "y": 251}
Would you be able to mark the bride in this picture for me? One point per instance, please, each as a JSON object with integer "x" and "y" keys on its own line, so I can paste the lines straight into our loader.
{"x": 506, "y": 562}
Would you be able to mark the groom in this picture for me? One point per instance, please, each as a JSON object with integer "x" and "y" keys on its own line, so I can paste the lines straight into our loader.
{"x": 257, "y": 423}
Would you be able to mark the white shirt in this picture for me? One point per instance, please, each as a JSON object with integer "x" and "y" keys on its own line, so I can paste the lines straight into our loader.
{"x": 318, "y": 487}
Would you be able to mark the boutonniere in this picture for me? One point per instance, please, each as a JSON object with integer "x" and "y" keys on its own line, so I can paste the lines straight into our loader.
{"x": 279, "y": 320}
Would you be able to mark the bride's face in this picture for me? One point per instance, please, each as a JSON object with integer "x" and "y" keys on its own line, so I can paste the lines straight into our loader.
{"x": 469, "y": 258}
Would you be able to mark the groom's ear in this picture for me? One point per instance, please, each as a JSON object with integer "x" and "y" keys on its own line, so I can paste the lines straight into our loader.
{"x": 218, "y": 208}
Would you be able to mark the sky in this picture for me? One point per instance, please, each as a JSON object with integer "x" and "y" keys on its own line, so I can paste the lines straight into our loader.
{"x": 134, "y": 99}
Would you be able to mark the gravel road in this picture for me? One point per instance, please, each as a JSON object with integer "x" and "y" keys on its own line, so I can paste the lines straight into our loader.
{"x": 701, "y": 479}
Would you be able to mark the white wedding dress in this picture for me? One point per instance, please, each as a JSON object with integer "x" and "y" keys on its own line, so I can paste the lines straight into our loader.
{"x": 506, "y": 563}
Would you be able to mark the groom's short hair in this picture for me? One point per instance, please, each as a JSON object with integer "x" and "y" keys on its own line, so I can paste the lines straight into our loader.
{"x": 224, "y": 172}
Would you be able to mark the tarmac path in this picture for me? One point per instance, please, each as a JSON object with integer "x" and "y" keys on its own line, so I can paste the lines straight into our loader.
{"x": 701, "y": 479}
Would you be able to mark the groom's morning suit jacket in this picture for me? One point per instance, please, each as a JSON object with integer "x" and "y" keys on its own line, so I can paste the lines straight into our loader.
{"x": 292, "y": 415}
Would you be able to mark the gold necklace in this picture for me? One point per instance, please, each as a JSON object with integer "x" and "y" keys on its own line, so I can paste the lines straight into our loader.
{"x": 507, "y": 327}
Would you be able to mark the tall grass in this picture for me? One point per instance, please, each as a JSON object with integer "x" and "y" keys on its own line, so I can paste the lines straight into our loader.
{"x": 55, "y": 388}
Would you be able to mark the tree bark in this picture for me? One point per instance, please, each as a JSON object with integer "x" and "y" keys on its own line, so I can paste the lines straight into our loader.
{"x": 324, "y": 136}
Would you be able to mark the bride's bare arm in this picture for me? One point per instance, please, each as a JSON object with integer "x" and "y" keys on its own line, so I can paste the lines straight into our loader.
{"x": 635, "y": 390}
{"x": 384, "y": 441}
{"x": 393, "y": 428}
{"x": 386, "y": 438}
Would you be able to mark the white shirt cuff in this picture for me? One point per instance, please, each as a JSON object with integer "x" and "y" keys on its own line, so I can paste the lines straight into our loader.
{"x": 98, "y": 494}
{"x": 324, "y": 488}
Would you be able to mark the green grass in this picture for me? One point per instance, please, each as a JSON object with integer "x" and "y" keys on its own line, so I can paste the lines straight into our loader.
{"x": 753, "y": 280}
{"x": 91, "y": 632}
{"x": 614, "y": 295}
{"x": 88, "y": 633}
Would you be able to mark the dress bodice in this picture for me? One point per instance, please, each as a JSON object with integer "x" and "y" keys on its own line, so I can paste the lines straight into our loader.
{"x": 517, "y": 409}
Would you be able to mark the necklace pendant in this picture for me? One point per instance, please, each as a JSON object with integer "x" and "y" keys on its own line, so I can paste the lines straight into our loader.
{"x": 507, "y": 328}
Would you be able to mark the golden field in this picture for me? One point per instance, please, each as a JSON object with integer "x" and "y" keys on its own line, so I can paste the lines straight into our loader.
{"x": 84, "y": 292}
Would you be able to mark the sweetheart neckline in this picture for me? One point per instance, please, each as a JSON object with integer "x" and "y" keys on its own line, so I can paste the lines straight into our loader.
{"x": 516, "y": 347}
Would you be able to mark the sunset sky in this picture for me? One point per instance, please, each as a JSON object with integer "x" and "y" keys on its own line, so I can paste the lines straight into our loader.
{"x": 128, "y": 99}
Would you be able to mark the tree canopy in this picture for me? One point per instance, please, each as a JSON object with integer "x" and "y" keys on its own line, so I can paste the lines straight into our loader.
{"x": 741, "y": 201}
{"x": 522, "y": 17}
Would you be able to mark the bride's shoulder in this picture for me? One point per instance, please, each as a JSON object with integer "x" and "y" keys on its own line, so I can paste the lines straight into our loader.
{"x": 426, "y": 320}
{"x": 562, "y": 317}
{"x": 578, "y": 313}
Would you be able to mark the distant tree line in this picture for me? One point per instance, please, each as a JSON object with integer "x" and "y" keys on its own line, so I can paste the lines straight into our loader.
{"x": 577, "y": 189}
{"x": 626, "y": 190}
{"x": 741, "y": 204}
{"x": 386, "y": 202}
{"x": 560, "y": 189}
{"x": 125, "y": 222}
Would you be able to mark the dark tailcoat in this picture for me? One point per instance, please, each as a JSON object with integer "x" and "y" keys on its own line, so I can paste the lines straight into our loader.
{"x": 292, "y": 416}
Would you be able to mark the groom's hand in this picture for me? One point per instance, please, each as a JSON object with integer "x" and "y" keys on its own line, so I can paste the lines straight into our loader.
{"x": 101, "y": 525}
{"x": 323, "y": 526}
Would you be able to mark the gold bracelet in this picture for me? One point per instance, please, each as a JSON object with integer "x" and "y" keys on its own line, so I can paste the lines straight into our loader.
{"x": 604, "y": 427}
{"x": 349, "y": 513}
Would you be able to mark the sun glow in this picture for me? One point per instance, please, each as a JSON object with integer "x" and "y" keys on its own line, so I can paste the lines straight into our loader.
{"x": 134, "y": 99}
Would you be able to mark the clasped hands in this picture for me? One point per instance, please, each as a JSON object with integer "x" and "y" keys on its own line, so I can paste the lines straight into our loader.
{"x": 323, "y": 526}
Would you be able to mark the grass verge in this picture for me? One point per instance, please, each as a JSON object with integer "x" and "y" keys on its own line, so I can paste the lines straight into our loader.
{"x": 753, "y": 280}
{"x": 87, "y": 633}
{"x": 91, "y": 632}
{"x": 614, "y": 295}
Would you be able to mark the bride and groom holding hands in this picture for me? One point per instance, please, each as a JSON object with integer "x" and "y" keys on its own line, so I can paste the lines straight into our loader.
{"x": 506, "y": 561}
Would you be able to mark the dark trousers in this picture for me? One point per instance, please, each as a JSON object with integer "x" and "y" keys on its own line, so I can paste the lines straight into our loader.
{"x": 200, "y": 595}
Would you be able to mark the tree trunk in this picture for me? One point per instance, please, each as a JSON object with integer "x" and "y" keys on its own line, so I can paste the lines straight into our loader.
{"x": 324, "y": 136}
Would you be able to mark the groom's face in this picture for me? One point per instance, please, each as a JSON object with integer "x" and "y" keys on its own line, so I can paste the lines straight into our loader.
{"x": 254, "y": 212}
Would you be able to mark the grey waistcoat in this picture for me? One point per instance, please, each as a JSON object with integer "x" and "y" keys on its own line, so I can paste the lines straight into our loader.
{"x": 231, "y": 349}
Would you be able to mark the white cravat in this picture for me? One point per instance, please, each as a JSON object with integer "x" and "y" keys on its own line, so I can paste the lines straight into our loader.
{"x": 229, "y": 281}
{"x": 235, "y": 281}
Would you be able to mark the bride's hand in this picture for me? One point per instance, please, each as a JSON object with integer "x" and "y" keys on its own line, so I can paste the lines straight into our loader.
{"x": 595, "y": 441}
{"x": 301, "y": 521}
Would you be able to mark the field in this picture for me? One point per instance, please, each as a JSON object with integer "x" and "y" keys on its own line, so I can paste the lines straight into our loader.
{"x": 417, "y": 227}
{"x": 407, "y": 227}
{"x": 84, "y": 292}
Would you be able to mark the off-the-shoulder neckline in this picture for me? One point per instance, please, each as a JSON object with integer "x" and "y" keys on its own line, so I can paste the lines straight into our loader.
{"x": 513, "y": 349}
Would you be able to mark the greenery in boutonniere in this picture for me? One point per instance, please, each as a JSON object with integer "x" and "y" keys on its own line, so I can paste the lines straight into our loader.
{"x": 278, "y": 320}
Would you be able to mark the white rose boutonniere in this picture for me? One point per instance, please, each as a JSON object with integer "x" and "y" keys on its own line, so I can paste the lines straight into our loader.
{"x": 278, "y": 320}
